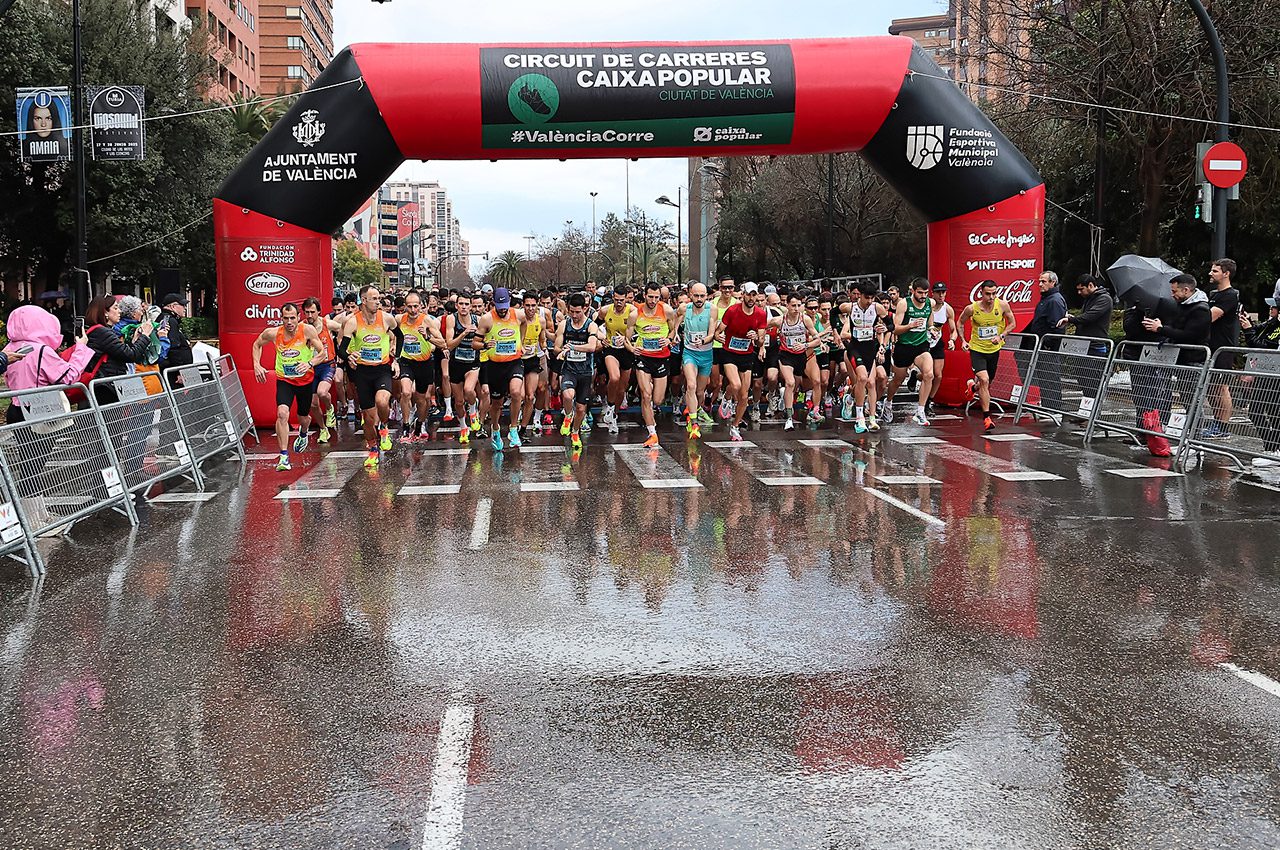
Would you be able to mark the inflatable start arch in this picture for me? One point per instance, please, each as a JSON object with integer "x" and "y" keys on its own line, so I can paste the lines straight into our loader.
{"x": 376, "y": 105}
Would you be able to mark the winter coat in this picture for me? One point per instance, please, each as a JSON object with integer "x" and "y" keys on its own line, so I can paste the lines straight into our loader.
{"x": 42, "y": 366}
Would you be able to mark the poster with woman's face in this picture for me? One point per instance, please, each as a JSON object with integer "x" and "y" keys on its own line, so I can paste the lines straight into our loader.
{"x": 44, "y": 123}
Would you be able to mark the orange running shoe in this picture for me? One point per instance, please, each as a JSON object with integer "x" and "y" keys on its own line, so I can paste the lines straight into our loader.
{"x": 652, "y": 442}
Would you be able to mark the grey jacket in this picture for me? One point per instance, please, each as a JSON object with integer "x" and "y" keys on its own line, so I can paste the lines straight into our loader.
{"x": 1095, "y": 316}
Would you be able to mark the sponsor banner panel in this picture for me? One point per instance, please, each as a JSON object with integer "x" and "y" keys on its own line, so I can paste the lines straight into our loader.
{"x": 116, "y": 126}
{"x": 259, "y": 276}
{"x": 44, "y": 123}
{"x": 637, "y": 96}
{"x": 1008, "y": 252}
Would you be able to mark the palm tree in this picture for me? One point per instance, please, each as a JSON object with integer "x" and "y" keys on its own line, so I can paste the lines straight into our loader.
{"x": 507, "y": 269}
{"x": 252, "y": 118}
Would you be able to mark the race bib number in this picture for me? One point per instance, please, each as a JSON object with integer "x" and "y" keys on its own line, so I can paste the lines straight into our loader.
{"x": 935, "y": 336}
{"x": 653, "y": 343}
{"x": 573, "y": 355}
{"x": 464, "y": 354}
{"x": 293, "y": 370}
{"x": 739, "y": 344}
{"x": 505, "y": 347}
{"x": 617, "y": 341}
{"x": 988, "y": 332}
{"x": 371, "y": 355}
{"x": 412, "y": 345}
{"x": 796, "y": 342}
{"x": 864, "y": 334}
{"x": 696, "y": 340}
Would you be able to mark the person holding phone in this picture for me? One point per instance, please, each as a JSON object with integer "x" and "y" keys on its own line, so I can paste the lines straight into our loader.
{"x": 34, "y": 335}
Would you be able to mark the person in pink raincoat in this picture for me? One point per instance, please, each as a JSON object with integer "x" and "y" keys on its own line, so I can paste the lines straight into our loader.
{"x": 42, "y": 366}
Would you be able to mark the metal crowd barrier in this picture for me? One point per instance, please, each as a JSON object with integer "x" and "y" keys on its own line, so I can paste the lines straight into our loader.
{"x": 1069, "y": 375}
{"x": 149, "y": 436}
{"x": 1254, "y": 391}
{"x": 202, "y": 406}
{"x": 1148, "y": 393}
{"x": 58, "y": 466}
{"x": 1013, "y": 372}
{"x": 237, "y": 402}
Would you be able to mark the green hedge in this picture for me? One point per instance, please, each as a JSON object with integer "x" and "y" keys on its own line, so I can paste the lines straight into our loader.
{"x": 200, "y": 327}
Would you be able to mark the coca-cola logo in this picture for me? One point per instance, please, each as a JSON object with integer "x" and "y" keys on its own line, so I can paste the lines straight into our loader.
{"x": 1017, "y": 292}
{"x": 1008, "y": 239}
{"x": 266, "y": 283}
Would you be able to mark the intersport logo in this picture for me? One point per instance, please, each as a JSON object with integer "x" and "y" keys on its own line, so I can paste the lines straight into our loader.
{"x": 1017, "y": 292}
{"x": 266, "y": 283}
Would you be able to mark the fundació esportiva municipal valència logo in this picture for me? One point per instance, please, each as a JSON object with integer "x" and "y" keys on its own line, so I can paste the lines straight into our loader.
{"x": 925, "y": 146}
{"x": 533, "y": 99}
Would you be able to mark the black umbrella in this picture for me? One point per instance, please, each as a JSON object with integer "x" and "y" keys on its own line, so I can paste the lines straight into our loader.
{"x": 1131, "y": 274}
{"x": 52, "y": 294}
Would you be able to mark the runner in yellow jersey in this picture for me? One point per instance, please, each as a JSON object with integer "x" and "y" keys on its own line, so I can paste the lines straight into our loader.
{"x": 298, "y": 351}
{"x": 650, "y": 326}
{"x": 722, "y": 302}
{"x": 419, "y": 372}
{"x": 991, "y": 321}
{"x": 618, "y": 359}
{"x": 503, "y": 330}
{"x": 371, "y": 345}
{"x": 536, "y": 321}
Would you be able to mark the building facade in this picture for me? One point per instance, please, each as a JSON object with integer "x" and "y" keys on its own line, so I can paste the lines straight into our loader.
{"x": 438, "y": 247}
{"x": 973, "y": 43}
{"x": 296, "y": 41}
{"x": 233, "y": 28}
{"x": 934, "y": 33}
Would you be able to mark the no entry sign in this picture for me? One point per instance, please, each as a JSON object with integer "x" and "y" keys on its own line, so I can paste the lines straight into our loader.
{"x": 1225, "y": 164}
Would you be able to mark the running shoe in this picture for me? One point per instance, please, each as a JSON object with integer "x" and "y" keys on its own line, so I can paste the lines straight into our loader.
{"x": 753, "y": 414}
{"x": 566, "y": 426}
{"x": 301, "y": 444}
{"x": 704, "y": 418}
{"x": 613, "y": 426}
{"x": 513, "y": 438}
{"x": 814, "y": 418}
{"x": 282, "y": 465}
{"x": 651, "y": 442}
{"x": 587, "y": 424}
{"x": 888, "y": 414}
{"x": 873, "y": 424}
{"x": 919, "y": 418}
{"x": 464, "y": 436}
{"x": 790, "y": 424}
{"x": 575, "y": 440}
{"x": 928, "y": 407}
{"x": 384, "y": 440}
{"x": 988, "y": 424}
{"x": 371, "y": 462}
{"x": 1214, "y": 431}
{"x": 860, "y": 427}
{"x": 695, "y": 433}
{"x": 448, "y": 419}
{"x": 324, "y": 435}
{"x": 548, "y": 421}
{"x": 331, "y": 419}
{"x": 735, "y": 435}
{"x": 475, "y": 423}
{"x": 497, "y": 443}
{"x": 537, "y": 427}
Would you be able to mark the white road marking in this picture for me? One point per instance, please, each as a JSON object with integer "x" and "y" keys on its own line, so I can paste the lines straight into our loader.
{"x": 540, "y": 450}
{"x": 896, "y": 480}
{"x": 261, "y": 456}
{"x": 548, "y": 486}
{"x": 1027, "y": 475}
{"x": 182, "y": 497}
{"x": 826, "y": 444}
{"x": 1262, "y": 486}
{"x": 443, "y": 452}
{"x": 946, "y": 417}
{"x": 914, "y": 511}
{"x": 655, "y": 469}
{"x": 670, "y": 483}
{"x": 917, "y": 440}
{"x": 360, "y": 454}
{"x": 327, "y": 493}
{"x": 430, "y": 490}
{"x": 1258, "y": 680}
{"x": 443, "y": 827}
{"x": 1010, "y": 438}
{"x": 788, "y": 480}
{"x": 730, "y": 444}
{"x": 480, "y": 527}
{"x": 1144, "y": 472}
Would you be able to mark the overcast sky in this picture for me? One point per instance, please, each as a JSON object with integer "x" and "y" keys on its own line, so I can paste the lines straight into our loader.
{"x": 498, "y": 204}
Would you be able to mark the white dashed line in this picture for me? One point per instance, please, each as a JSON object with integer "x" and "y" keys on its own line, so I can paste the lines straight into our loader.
{"x": 914, "y": 511}
{"x": 1144, "y": 472}
{"x": 480, "y": 527}
{"x": 443, "y": 828}
{"x": 1258, "y": 680}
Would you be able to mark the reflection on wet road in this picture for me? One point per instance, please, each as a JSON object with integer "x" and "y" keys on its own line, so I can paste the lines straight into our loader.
{"x": 925, "y": 639}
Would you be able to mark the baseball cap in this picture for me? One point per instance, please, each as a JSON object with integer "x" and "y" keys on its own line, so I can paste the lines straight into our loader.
{"x": 939, "y": 287}
{"x": 501, "y": 298}
{"x": 750, "y": 287}
{"x": 771, "y": 290}
{"x": 172, "y": 298}
{"x": 486, "y": 288}
{"x": 1271, "y": 302}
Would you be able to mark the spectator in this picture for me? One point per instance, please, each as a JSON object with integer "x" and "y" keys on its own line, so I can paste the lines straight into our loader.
{"x": 1224, "y": 332}
{"x": 173, "y": 311}
{"x": 1150, "y": 384}
{"x": 106, "y": 336}
{"x": 1050, "y": 312}
{"x": 1192, "y": 324}
{"x": 1264, "y": 392}
{"x": 1094, "y": 318}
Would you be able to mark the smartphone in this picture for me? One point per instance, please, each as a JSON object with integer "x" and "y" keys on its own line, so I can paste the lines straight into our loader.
{"x": 78, "y": 326}
{"x": 25, "y": 350}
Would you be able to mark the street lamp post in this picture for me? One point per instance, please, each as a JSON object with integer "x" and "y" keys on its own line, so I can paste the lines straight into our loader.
{"x": 679, "y": 207}
{"x": 1221, "y": 133}
{"x": 593, "y": 218}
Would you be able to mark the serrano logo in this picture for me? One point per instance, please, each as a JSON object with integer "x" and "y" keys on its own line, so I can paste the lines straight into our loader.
{"x": 506, "y": 333}
{"x": 266, "y": 283}
{"x": 1017, "y": 292}
{"x": 249, "y": 255}
{"x": 925, "y": 146}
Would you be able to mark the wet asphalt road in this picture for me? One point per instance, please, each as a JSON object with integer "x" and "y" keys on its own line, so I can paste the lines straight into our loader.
{"x": 852, "y": 643}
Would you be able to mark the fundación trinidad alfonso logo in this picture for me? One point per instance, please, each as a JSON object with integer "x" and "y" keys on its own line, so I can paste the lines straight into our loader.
{"x": 925, "y": 146}
{"x": 308, "y": 131}
{"x": 533, "y": 99}
{"x": 248, "y": 255}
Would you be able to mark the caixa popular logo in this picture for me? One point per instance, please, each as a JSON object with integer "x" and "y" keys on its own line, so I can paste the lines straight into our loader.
{"x": 266, "y": 283}
{"x": 1016, "y": 292}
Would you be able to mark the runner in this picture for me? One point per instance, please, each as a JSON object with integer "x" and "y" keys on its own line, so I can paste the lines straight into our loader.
{"x": 536, "y": 322}
{"x": 863, "y": 340}
{"x": 464, "y": 367}
{"x": 991, "y": 321}
{"x": 503, "y": 330}
{"x": 723, "y": 301}
{"x": 419, "y": 372}
{"x": 298, "y": 351}
{"x": 697, "y": 321}
{"x": 439, "y": 359}
{"x": 370, "y": 344}
{"x": 766, "y": 380}
{"x": 798, "y": 339}
{"x": 577, "y": 340}
{"x": 911, "y": 327}
{"x": 618, "y": 359}
{"x": 942, "y": 338}
{"x": 650, "y": 326}
{"x": 743, "y": 326}
{"x": 322, "y": 400}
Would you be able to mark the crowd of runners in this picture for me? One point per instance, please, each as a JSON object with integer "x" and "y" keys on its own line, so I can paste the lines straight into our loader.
{"x": 432, "y": 362}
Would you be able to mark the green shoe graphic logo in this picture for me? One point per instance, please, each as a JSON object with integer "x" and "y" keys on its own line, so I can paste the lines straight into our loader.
{"x": 533, "y": 99}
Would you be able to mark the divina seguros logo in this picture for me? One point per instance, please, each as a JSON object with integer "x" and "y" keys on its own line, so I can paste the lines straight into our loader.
{"x": 266, "y": 283}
